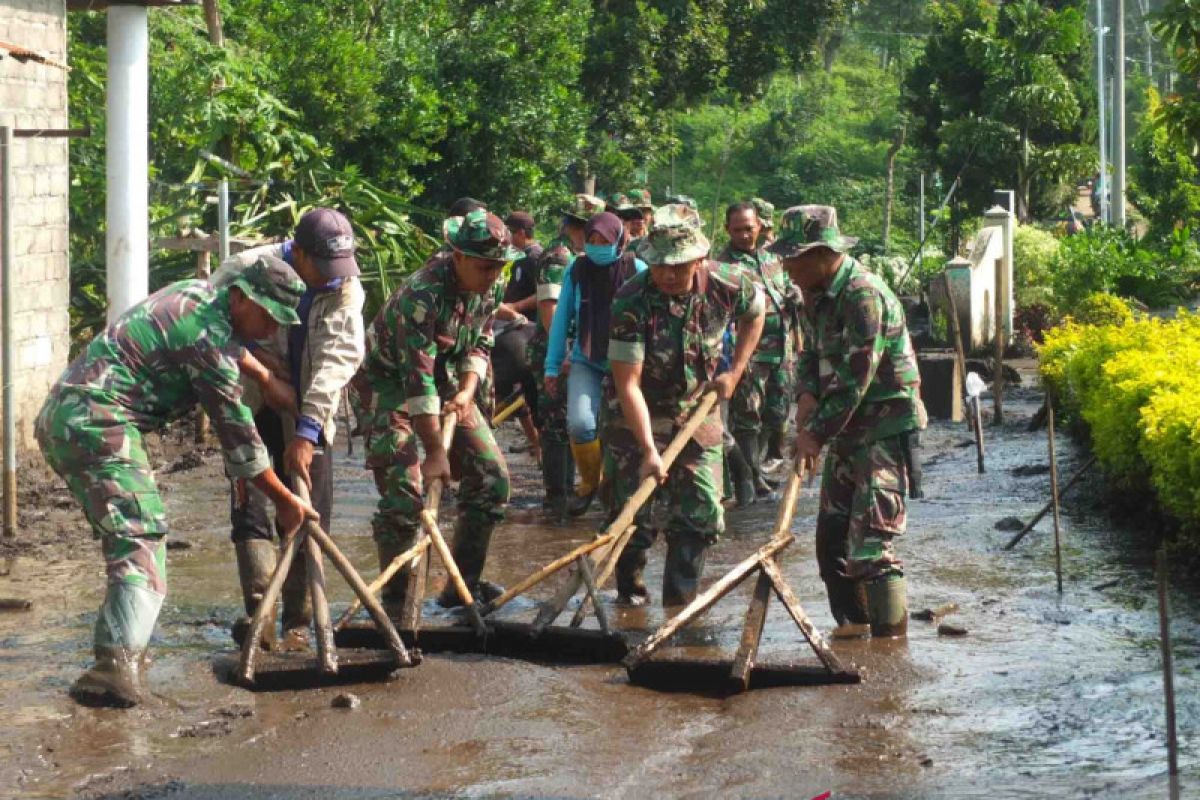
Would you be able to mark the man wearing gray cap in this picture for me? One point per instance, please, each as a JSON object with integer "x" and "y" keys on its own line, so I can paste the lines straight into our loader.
{"x": 318, "y": 357}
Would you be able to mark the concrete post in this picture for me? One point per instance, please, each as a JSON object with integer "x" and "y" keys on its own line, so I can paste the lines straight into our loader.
{"x": 127, "y": 210}
{"x": 1003, "y": 219}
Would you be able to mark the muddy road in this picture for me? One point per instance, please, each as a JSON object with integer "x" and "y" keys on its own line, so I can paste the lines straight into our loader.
{"x": 1045, "y": 696}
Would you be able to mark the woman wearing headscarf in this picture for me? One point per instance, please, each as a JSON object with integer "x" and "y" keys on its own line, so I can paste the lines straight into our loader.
{"x": 589, "y": 285}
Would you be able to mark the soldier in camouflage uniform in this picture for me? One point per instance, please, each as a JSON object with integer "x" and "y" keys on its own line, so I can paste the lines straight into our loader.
{"x": 668, "y": 326}
{"x": 180, "y": 346}
{"x": 758, "y": 412}
{"x": 428, "y": 349}
{"x": 558, "y": 466}
{"x": 635, "y": 211}
{"x": 859, "y": 394}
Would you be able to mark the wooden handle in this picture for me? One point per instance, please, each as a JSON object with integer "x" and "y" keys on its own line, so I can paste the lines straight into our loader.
{"x": 398, "y": 563}
{"x": 326, "y": 649}
{"x": 509, "y": 410}
{"x": 628, "y": 512}
{"x": 433, "y": 492}
{"x": 266, "y": 607}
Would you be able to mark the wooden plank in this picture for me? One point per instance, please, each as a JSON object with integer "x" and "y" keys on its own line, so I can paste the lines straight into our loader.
{"x": 752, "y": 630}
{"x": 585, "y": 569}
{"x": 706, "y": 599}
{"x": 792, "y": 604}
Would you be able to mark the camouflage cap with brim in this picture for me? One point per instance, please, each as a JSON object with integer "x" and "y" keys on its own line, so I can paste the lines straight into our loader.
{"x": 480, "y": 234}
{"x": 583, "y": 207}
{"x": 620, "y": 202}
{"x": 804, "y": 228}
{"x": 681, "y": 200}
{"x": 640, "y": 198}
{"x": 275, "y": 286}
{"x": 676, "y": 236}
{"x": 766, "y": 212}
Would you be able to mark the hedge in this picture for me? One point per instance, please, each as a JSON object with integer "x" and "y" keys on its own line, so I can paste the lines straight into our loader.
{"x": 1135, "y": 386}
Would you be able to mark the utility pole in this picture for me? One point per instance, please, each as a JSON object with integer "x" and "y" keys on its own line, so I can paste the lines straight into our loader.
{"x": 1119, "y": 115}
{"x": 1101, "y": 95}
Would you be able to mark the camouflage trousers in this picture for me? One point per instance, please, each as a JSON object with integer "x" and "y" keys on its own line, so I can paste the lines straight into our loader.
{"x": 475, "y": 459}
{"x": 694, "y": 485}
{"x": 103, "y": 460}
{"x": 761, "y": 402}
{"x": 551, "y": 411}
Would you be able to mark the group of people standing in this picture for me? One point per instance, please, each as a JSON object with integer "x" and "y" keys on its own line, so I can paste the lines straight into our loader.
{"x": 613, "y": 331}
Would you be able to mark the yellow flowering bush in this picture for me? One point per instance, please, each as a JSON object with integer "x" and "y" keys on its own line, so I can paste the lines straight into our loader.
{"x": 1135, "y": 383}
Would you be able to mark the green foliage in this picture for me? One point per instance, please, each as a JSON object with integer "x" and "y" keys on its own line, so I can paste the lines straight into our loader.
{"x": 1178, "y": 26}
{"x": 1165, "y": 183}
{"x": 1100, "y": 308}
{"x": 1034, "y": 251}
{"x": 1107, "y": 260}
{"x": 1134, "y": 385}
{"x": 1000, "y": 95}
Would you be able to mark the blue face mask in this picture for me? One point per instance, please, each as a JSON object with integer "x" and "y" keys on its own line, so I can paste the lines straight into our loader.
{"x": 602, "y": 254}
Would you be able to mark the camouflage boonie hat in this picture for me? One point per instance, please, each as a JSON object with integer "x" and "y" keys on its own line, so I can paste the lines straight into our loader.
{"x": 766, "y": 212}
{"x": 805, "y": 227}
{"x": 275, "y": 286}
{"x": 620, "y": 202}
{"x": 640, "y": 198}
{"x": 681, "y": 200}
{"x": 675, "y": 237}
{"x": 481, "y": 234}
{"x": 583, "y": 207}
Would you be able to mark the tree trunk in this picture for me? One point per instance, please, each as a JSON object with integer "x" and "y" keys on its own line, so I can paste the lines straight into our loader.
{"x": 1024, "y": 181}
{"x": 212, "y": 19}
{"x": 832, "y": 45}
{"x": 889, "y": 194}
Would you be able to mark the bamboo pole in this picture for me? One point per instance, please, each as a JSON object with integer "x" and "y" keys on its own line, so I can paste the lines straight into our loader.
{"x": 326, "y": 649}
{"x": 266, "y": 606}
{"x": 1046, "y": 508}
{"x": 624, "y": 519}
{"x": 977, "y": 424}
{"x": 1054, "y": 492}
{"x": 508, "y": 411}
{"x": 606, "y": 558}
{"x": 998, "y": 370}
{"x": 752, "y": 630}
{"x": 203, "y": 272}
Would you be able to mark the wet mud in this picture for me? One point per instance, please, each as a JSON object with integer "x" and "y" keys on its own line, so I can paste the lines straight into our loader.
{"x": 1045, "y": 695}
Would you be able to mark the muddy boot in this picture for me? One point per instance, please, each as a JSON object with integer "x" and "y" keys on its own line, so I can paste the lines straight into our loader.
{"x": 683, "y": 568}
{"x": 297, "y": 608}
{"x": 589, "y": 459}
{"x": 395, "y": 589}
{"x": 847, "y": 597}
{"x": 469, "y": 550}
{"x": 557, "y": 469}
{"x": 741, "y": 476}
{"x": 256, "y": 560}
{"x": 122, "y": 632}
{"x": 112, "y": 682}
{"x": 631, "y": 588}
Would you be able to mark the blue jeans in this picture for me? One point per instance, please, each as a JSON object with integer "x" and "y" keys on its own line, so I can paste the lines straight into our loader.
{"x": 583, "y": 401}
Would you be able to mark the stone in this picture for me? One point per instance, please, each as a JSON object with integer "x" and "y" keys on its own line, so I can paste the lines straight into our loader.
{"x": 346, "y": 700}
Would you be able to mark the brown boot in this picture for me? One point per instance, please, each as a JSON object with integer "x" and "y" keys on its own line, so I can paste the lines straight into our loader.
{"x": 256, "y": 559}
{"x": 112, "y": 682}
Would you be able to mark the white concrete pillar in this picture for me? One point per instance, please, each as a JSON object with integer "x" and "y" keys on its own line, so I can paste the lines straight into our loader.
{"x": 127, "y": 212}
{"x": 1003, "y": 219}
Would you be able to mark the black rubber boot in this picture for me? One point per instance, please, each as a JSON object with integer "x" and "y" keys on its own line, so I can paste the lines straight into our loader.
{"x": 113, "y": 681}
{"x": 847, "y": 597}
{"x": 256, "y": 559}
{"x": 741, "y": 476}
{"x": 469, "y": 550}
{"x": 297, "y": 608}
{"x": 558, "y": 468}
{"x": 683, "y": 568}
{"x": 631, "y": 587}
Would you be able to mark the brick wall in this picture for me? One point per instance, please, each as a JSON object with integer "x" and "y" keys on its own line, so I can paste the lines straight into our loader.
{"x": 34, "y": 95}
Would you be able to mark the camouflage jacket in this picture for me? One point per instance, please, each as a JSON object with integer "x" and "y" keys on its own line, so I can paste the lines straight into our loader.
{"x": 551, "y": 269}
{"x": 677, "y": 339}
{"x": 858, "y": 360}
{"x": 783, "y": 302}
{"x": 161, "y": 357}
{"x": 426, "y": 326}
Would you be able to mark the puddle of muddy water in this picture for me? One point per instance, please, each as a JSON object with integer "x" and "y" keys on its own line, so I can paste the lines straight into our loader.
{"x": 1045, "y": 696}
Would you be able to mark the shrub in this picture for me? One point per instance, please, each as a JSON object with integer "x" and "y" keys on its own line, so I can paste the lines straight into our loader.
{"x": 1034, "y": 251}
{"x": 1134, "y": 384}
{"x": 1100, "y": 308}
